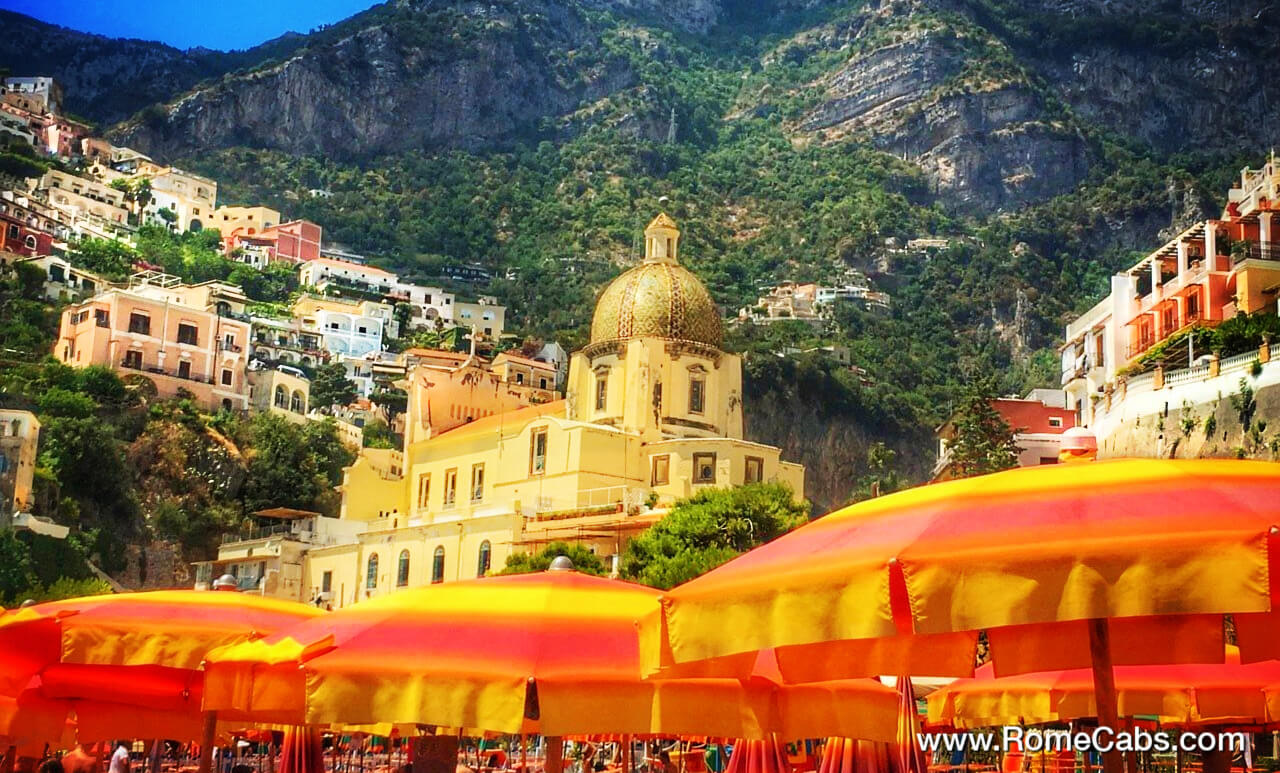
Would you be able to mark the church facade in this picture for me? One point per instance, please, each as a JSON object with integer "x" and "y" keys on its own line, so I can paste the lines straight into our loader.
{"x": 652, "y": 413}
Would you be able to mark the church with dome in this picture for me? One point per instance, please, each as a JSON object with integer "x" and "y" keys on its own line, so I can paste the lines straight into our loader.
{"x": 652, "y": 413}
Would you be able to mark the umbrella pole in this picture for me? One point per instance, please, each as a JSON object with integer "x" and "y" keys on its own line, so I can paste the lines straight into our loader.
{"x": 208, "y": 732}
{"x": 1104, "y": 688}
{"x": 555, "y": 754}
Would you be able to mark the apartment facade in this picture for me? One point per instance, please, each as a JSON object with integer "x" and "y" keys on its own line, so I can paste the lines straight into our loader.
{"x": 82, "y": 197}
{"x": 298, "y": 241}
{"x": 346, "y": 327}
{"x": 1204, "y": 276}
{"x": 185, "y": 339}
{"x": 234, "y": 221}
{"x": 486, "y": 316}
{"x": 322, "y": 272}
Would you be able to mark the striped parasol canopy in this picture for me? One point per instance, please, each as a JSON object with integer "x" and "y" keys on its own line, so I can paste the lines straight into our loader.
{"x": 555, "y": 652}
{"x": 1227, "y": 693}
{"x": 127, "y": 665}
{"x": 1145, "y": 556}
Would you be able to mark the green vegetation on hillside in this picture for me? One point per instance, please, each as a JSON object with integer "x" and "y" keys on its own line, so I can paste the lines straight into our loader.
{"x": 122, "y": 468}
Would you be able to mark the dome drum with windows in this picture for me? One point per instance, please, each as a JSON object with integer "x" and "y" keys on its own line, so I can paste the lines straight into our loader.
{"x": 658, "y": 298}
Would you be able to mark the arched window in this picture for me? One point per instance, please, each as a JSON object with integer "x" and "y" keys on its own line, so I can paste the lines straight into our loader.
{"x": 486, "y": 553}
{"x": 371, "y": 573}
{"x": 437, "y": 565}
{"x": 31, "y": 242}
{"x": 402, "y": 571}
{"x": 298, "y": 403}
{"x": 282, "y": 397}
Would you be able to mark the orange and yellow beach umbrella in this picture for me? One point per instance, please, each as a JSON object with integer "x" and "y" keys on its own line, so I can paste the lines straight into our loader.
{"x": 129, "y": 662}
{"x": 1157, "y": 550}
{"x": 555, "y": 653}
{"x": 1186, "y": 694}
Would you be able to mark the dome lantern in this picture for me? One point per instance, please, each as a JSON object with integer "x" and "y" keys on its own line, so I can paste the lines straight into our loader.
{"x": 661, "y": 240}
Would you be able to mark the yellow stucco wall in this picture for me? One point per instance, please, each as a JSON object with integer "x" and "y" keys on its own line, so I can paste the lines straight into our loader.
{"x": 1251, "y": 285}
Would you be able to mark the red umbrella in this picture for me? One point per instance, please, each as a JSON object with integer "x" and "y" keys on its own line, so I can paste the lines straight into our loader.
{"x": 302, "y": 751}
{"x": 910, "y": 758}
{"x": 758, "y": 756}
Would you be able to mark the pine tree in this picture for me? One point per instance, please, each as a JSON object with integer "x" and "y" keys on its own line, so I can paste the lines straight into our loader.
{"x": 983, "y": 442}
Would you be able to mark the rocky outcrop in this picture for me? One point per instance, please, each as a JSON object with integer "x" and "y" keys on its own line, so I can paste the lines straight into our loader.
{"x": 985, "y": 144}
{"x": 464, "y": 76}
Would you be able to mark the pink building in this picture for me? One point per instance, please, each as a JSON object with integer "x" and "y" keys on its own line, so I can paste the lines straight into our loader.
{"x": 183, "y": 338}
{"x": 297, "y": 241}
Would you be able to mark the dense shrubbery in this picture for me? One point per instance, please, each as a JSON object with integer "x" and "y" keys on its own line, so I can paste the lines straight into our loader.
{"x": 709, "y": 528}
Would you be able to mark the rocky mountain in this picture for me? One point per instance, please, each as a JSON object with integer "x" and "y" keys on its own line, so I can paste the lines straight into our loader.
{"x": 105, "y": 79}
{"x": 993, "y": 101}
{"x": 455, "y": 76}
{"x": 1043, "y": 140}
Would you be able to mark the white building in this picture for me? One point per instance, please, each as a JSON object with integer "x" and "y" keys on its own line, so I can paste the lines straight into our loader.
{"x": 346, "y": 327}
{"x": 429, "y": 303}
{"x": 322, "y": 272}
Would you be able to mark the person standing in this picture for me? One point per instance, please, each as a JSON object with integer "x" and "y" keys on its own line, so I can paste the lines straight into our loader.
{"x": 119, "y": 759}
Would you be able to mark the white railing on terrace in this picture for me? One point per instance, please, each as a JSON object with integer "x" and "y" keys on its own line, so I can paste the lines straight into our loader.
{"x": 1237, "y": 361}
{"x": 623, "y": 496}
{"x": 1186, "y": 375}
{"x": 1139, "y": 380}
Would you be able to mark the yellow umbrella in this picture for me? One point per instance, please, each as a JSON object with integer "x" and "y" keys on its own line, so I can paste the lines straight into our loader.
{"x": 555, "y": 653}
{"x": 130, "y": 661}
{"x": 1064, "y": 566}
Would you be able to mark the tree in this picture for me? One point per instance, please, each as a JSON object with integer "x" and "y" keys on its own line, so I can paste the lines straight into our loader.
{"x": 293, "y": 467}
{"x": 16, "y": 575}
{"x": 331, "y": 387}
{"x": 583, "y": 560}
{"x": 881, "y": 477}
{"x": 377, "y": 434}
{"x": 111, "y": 259}
{"x": 710, "y": 528}
{"x": 983, "y": 442}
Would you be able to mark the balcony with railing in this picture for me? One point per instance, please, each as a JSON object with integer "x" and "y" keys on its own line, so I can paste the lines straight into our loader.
{"x": 1242, "y": 251}
{"x": 139, "y": 367}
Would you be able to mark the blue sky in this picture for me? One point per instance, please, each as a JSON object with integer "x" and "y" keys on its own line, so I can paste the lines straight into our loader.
{"x": 219, "y": 24}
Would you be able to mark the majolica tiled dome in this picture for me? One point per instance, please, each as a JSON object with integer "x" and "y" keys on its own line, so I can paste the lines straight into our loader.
{"x": 658, "y": 299}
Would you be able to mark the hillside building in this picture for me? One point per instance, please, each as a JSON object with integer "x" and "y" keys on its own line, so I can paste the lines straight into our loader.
{"x": 1205, "y": 275}
{"x": 653, "y": 413}
{"x": 82, "y": 197}
{"x": 189, "y": 199}
{"x": 19, "y": 441}
{"x": 182, "y": 338}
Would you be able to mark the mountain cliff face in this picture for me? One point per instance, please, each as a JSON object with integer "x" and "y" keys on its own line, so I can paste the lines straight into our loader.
{"x": 463, "y": 76}
{"x": 992, "y": 101}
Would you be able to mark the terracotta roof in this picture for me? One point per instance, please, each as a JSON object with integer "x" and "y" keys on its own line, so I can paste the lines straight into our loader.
{"x": 497, "y": 420}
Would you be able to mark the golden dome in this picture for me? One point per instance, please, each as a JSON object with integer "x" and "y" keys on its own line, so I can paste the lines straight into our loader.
{"x": 657, "y": 299}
